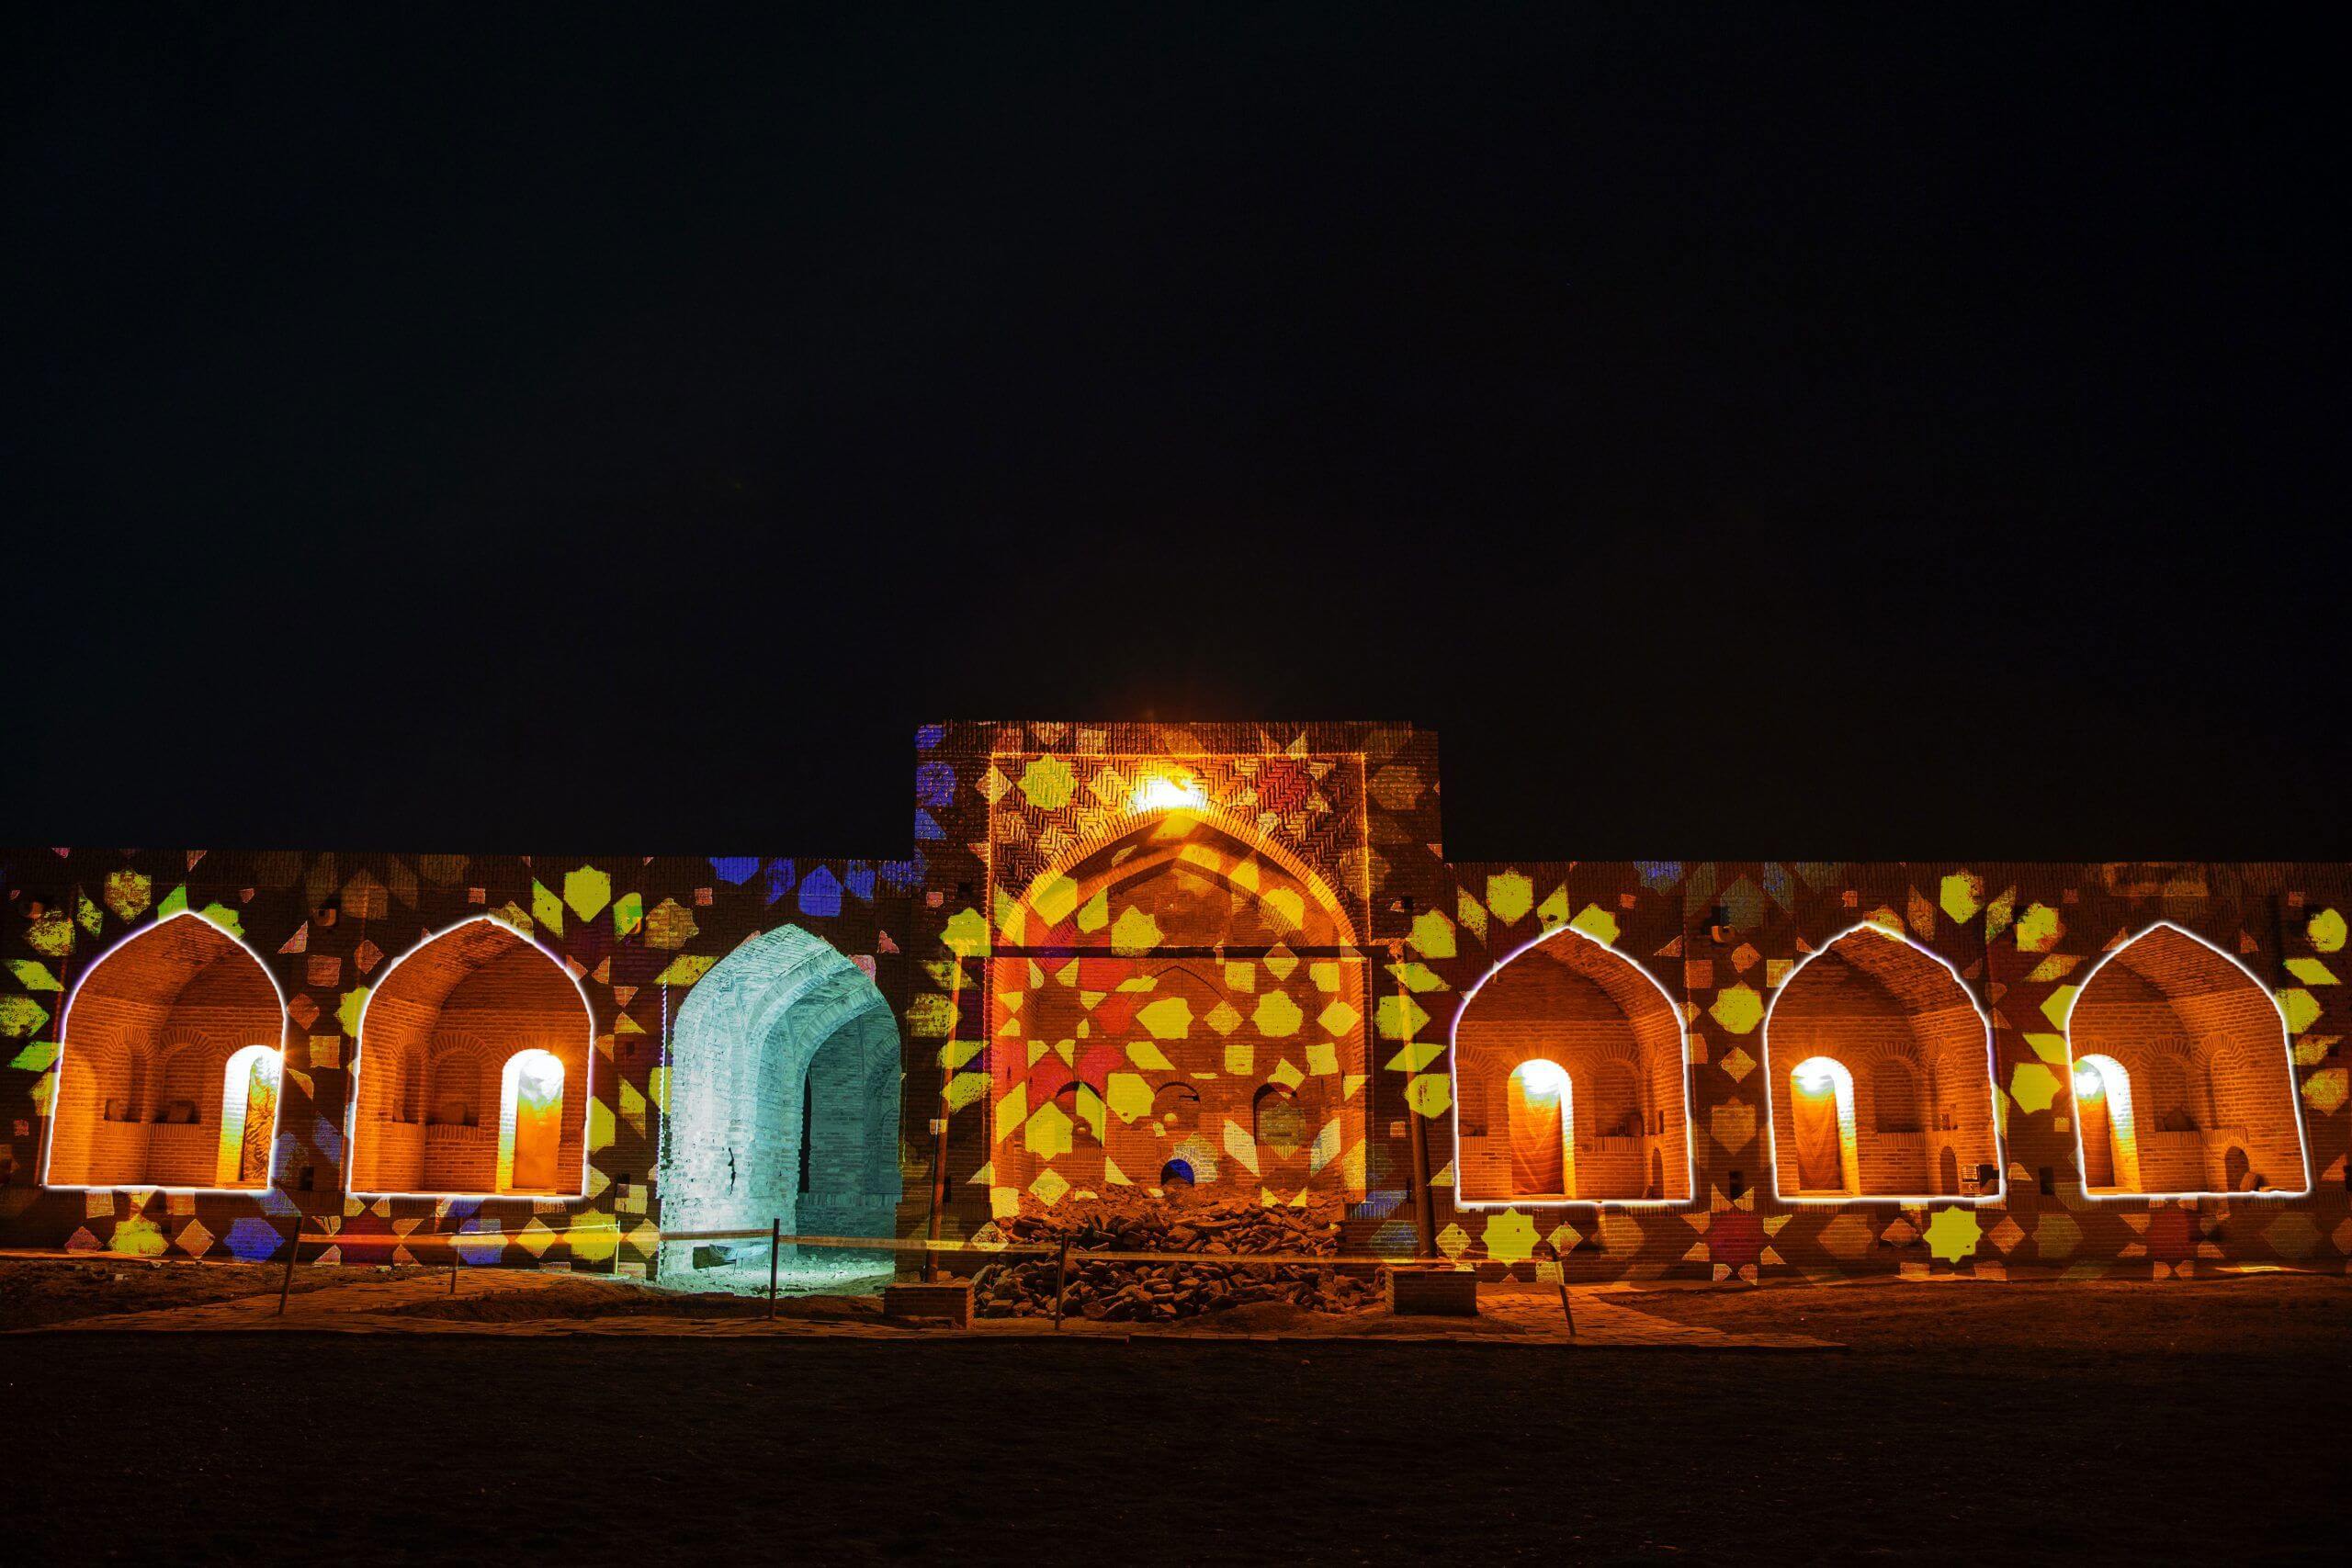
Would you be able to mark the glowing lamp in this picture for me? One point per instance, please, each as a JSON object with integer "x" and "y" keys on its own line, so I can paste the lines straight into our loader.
{"x": 2088, "y": 1085}
{"x": 1543, "y": 1079}
{"x": 1166, "y": 794}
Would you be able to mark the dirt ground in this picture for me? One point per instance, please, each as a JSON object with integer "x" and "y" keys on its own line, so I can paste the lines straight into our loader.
{"x": 2026, "y": 1422}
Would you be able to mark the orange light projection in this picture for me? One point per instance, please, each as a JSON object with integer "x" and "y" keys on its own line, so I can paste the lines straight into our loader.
{"x": 1541, "y": 1156}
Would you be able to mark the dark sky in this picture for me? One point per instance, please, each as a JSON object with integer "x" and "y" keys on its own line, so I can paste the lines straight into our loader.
{"x": 1884, "y": 431}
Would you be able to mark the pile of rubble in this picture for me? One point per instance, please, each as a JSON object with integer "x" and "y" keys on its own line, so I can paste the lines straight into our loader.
{"x": 1200, "y": 1229}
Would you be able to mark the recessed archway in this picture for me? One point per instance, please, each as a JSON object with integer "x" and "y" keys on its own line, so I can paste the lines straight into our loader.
{"x": 1879, "y": 1063}
{"x": 1203, "y": 986}
{"x": 1568, "y": 1040}
{"x": 474, "y": 1046}
{"x": 169, "y": 1036}
{"x": 2184, "y": 1081}
{"x": 785, "y": 1077}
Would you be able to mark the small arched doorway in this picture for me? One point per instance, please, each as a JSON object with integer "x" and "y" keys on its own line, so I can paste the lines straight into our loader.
{"x": 1821, "y": 1098}
{"x": 1542, "y": 1159}
{"x": 530, "y": 1121}
{"x": 2108, "y": 1125}
{"x": 248, "y": 1112}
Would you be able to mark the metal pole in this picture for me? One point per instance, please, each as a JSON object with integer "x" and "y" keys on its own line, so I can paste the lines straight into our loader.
{"x": 1061, "y": 1278}
{"x": 776, "y": 1256}
{"x": 1566, "y": 1310}
{"x": 285, "y": 1282}
{"x": 453, "y": 1265}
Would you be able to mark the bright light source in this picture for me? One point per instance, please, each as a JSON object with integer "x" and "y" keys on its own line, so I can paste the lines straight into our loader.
{"x": 2088, "y": 1083}
{"x": 1543, "y": 1079}
{"x": 1170, "y": 793}
{"x": 1815, "y": 1074}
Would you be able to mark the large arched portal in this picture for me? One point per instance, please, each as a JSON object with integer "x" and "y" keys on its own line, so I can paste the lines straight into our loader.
{"x": 1569, "y": 1083}
{"x": 168, "y": 1064}
{"x": 1879, "y": 1066}
{"x": 2182, "y": 1083}
{"x": 1204, "y": 989}
{"x": 783, "y": 1105}
{"x": 472, "y": 1073}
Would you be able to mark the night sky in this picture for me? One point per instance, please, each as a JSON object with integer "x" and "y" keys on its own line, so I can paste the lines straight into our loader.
{"x": 1875, "y": 433}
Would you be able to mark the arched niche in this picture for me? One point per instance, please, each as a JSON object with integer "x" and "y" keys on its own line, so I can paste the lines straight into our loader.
{"x": 785, "y": 1073}
{"x": 1897, "y": 1050}
{"x": 2186, "y": 1056}
{"x": 143, "y": 1079}
{"x": 434, "y": 1096}
{"x": 1615, "y": 1037}
{"x": 1182, "y": 948}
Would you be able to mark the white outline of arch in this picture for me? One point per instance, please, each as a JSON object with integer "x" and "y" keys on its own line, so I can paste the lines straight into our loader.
{"x": 2286, "y": 1057}
{"x": 359, "y": 1065}
{"x": 64, "y": 1043}
{"x": 2000, "y": 1193}
{"x": 1453, "y": 1075}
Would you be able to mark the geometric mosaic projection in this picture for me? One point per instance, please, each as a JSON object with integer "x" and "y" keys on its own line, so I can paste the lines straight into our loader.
{"x": 1569, "y": 1081}
{"x": 1879, "y": 1063}
{"x": 167, "y": 1074}
{"x": 2182, "y": 1082}
{"x": 783, "y": 1088}
{"x": 472, "y": 1071}
{"x": 1180, "y": 1002}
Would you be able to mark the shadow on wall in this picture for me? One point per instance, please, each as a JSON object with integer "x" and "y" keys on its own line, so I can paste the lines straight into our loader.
{"x": 782, "y": 1100}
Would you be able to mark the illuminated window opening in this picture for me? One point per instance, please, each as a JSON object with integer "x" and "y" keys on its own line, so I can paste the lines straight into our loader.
{"x": 1542, "y": 1155}
{"x": 248, "y": 1117}
{"x": 1822, "y": 1093}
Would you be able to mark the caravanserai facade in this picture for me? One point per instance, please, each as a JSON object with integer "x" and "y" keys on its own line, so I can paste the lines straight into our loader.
{"x": 1138, "y": 956}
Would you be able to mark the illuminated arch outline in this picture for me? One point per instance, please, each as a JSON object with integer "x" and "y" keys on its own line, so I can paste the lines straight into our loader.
{"x": 1453, "y": 1088}
{"x": 587, "y": 1074}
{"x": 65, "y": 1043}
{"x": 2286, "y": 1057}
{"x": 1992, "y": 1086}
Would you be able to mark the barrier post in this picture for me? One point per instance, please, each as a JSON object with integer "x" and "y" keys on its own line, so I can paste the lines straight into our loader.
{"x": 453, "y": 1265}
{"x": 1061, "y": 1278}
{"x": 286, "y": 1280}
{"x": 1566, "y": 1310}
{"x": 776, "y": 1256}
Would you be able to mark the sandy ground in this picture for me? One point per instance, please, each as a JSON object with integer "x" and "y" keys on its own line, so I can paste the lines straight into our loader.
{"x": 1967, "y": 1422}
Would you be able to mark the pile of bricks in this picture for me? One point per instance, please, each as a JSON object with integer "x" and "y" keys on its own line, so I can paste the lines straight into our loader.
{"x": 1202, "y": 1230}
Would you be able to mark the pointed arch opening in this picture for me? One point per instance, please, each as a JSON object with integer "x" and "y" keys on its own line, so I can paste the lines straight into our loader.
{"x": 1183, "y": 948}
{"x": 1875, "y": 1049}
{"x": 472, "y": 1078}
{"x": 170, "y": 1033}
{"x": 1566, "y": 1034}
{"x": 785, "y": 1087}
{"x": 2184, "y": 1082}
